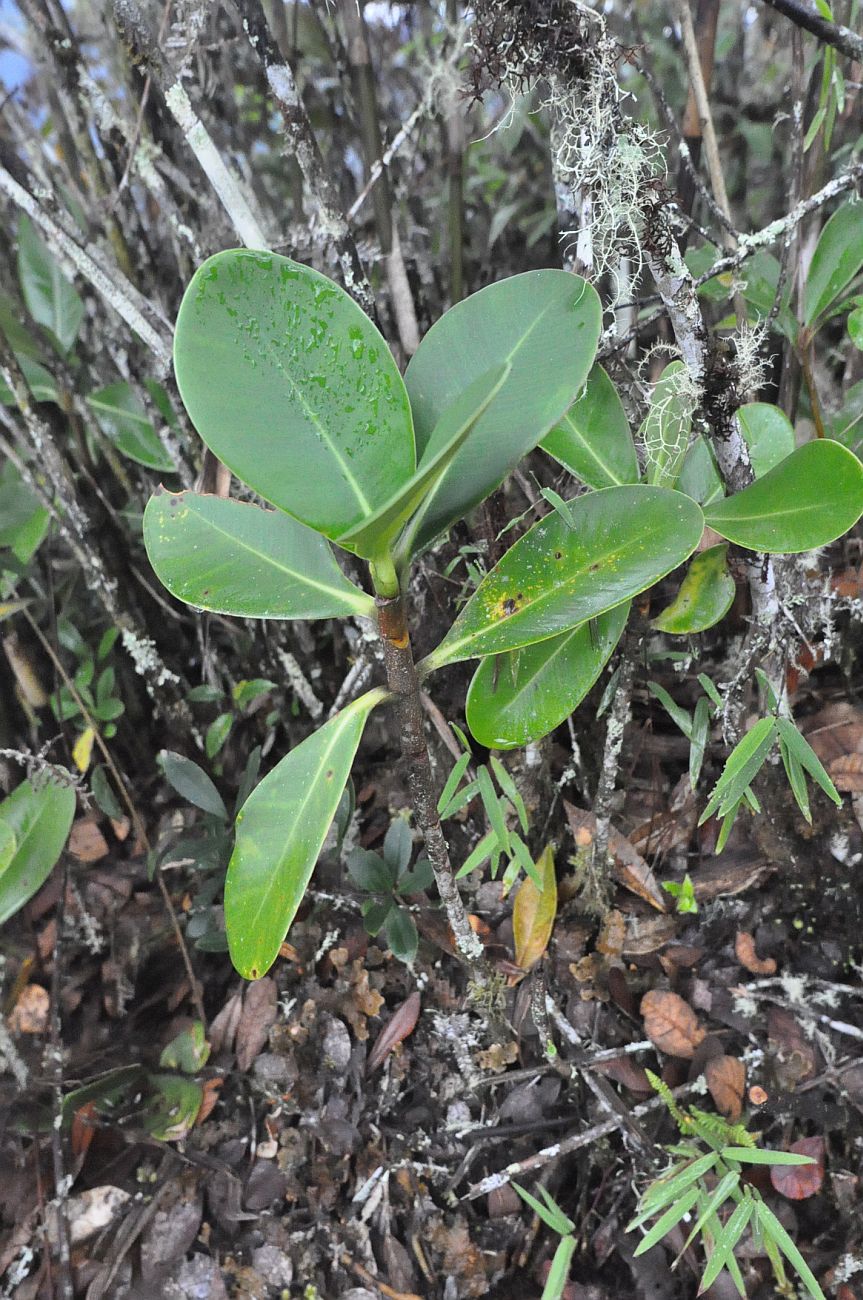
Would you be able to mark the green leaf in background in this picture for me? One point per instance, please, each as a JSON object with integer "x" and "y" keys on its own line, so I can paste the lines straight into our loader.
{"x": 172, "y": 1110}
{"x": 369, "y": 871}
{"x": 49, "y": 297}
{"x": 546, "y": 324}
{"x": 665, "y": 429}
{"x": 855, "y": 327}
{"x": 122, "y": 418}
{"x": 39, "y": 380}
{"x": 812, "y": 497}
{"x": 373, "y": 536}
{"x": 191, "y": 782}
{"x": 236, "y": 558}
{"x": 280, "y": 831}
{"x": 768, "y": 434}
{"x": 837, "y": 259}
{"x": 217, "y": 733}
{"x": 847, "y": 425}
{"x": 401, "y": 935}
{"x": 292, "y": 386}
{"x": 593, "y": 440}
{"x": 39, "y": 820}
{"x": 23, "y": 521}
{"x": 524, "y": 695}
{"x": 705, "y": 595}
{"x": 699, "y": 475}
{"x": 556, "y": 577}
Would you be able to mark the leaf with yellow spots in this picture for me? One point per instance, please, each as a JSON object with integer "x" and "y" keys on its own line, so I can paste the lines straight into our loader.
{"x": 82, "y": 750}
{"x": 534, "y": 912}
{"x": 280, "y": 831}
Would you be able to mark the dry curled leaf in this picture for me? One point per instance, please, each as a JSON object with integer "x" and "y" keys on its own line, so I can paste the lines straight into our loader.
{"x": 671, "y": 1024}
{"x": 629, "y": 866}
{"x": 744, "y": 951}
{"x": 401, "y": 1023}
{"x": 497, "y": 1057}
{"x": 726, "y": 1079}
{"x": 31, "y": 1010}
{"x": 799, "y": 1182}
{"x": 533, "y": 913}
{"x": 257, "y": 1018}
{"x": 86, "y": 841}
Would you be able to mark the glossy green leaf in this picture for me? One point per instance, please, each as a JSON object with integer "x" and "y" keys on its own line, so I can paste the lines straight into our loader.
{"x": 522, "y": 696}
{"x": 546, "y": 324}
{"x": 39, "y": 820}
{"x": 281, "y": 829}
{"x": 50, "y": 299}
{"x": 593, "y": 440}
{"x": 664, "y": 431}
{"x": 556, "y": 577}
{"x": 768, "y": 434}
{"x": 838, "y": 257}
{"x": 812, "y": 497}
{"x": 292, "y": 386}
{"x": 237, "y": 558}
{"x": 373, "y": 536}
{"x": 699, "y": 475}
{"x": 8, "y": 845}
{"x": 855, "y": 327}
{"x": 122, "y": 418}
{"x": 704, "y": 597}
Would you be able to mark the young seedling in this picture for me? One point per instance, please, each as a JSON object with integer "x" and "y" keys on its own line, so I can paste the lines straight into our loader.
{"x": 294, "y": 389}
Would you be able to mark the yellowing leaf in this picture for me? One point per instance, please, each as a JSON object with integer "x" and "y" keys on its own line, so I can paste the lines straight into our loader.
{"x": 82, "y": 750}
{"x": 533, "y": 913}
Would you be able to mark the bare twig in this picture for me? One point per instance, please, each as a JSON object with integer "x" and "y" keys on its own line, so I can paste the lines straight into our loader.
{"x": 841, "y": 38}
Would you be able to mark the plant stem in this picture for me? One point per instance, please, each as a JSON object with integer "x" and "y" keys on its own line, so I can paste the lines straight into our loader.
{"x": 403, "y": 682}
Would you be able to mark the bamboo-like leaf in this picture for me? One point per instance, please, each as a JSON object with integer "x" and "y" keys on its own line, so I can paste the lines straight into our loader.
{"x": 717, "y": 1197}
{"x": 665, "y": 1189}
{"x": 237, "y": 558}
{"x": 593, "y": 440}
{"x": 509, "y": 705}
{"x": 812, "y": 497}
{"x": 726, "y": 1241}
{"x": 280, "y": 831}
{"x": 534, "y": 912}
{"x": 757, "y": 1156}
{"x": 669, "y": 1219}
{"x": 771, "y": 1226}
{"x": 805, "y": 755}
{"x": 703, "y": 598}
{"x": 558, "y": 1274}
{"x": 744, "y": 761}
{"x": 550, "y": 1213}
{"x": 492, "y": 806}
{"x": 291, "y": 385}
{"x": 556, "y": 577}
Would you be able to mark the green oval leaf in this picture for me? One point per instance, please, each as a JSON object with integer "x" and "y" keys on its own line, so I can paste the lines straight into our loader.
{"x": 555, "y": 577}
{"x": 372, "y": 537}
{"x": 812, "y": 497}
{"x": 50, "y": 299}
{"x": 700, "y": 477}
{"x": 39, "y": 821}
{"x": 291, "y": 385}
{"x": 593, "y": 440}
{"x": 546, "y": 324}
{"x": 122, "y": 418}
{"x": 192, "y": 782}
{"x": 524, "y": 695}
{"x": 280, "y": 831}
{"x": 768, "y": 433}
{"x": 837, "y": 258}
{"x": 664, "y": 431}
{"x": 705, "y": 596}
{"x": 236, "y": 558}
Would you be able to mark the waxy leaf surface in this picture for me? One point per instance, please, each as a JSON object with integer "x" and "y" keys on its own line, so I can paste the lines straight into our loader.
{"x": 623, "y": 540}
{"x": 546, "y": 325}
{"x": 123, "y": 419}
{"x": 593, "y": 440}
{"x": 524, "y": 695}
{"x": 39, "y": 821}
{"x": 812, "y": 497}
{"x": 281, "y": 829}
{"x": 236, "y": 558}
{"x": 705, "y": 595}
{"x": 373, "y": 535}
{"x": 837, "y": 259}
{"x": 292, "y": 386}
{"x": 768, "y": 434}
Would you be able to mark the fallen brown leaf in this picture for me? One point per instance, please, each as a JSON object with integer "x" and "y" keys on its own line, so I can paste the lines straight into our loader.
{"x": 799, "y": 1182}
{"x": 726, "y": 1079}
{"x": 31, "y": 1011}
{"x": 212, "y": 1088}
{"x": 671, "y": 1024}
{"x": 401, "y": 1023}
{"x": 744, "y": 950}
{"x": 629, "y": 866}
{"x": 86, "y": 841}
{"x": 533, "y": 913}
{"x": 795, "y": 1059}
{"x": 256, "y": 1019}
